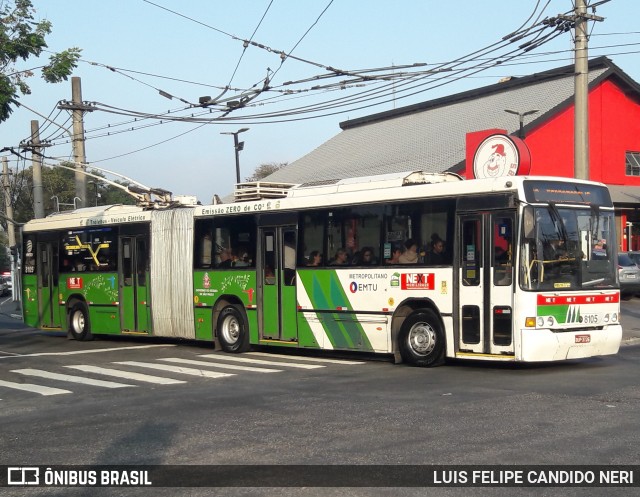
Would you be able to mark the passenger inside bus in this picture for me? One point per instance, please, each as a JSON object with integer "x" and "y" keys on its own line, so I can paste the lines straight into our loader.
{"x": 366, "y": 257}
{"x": 396, "y": 252}
{"x": 315, "y": 258}
{"x": 435, "y": 256}
{"x": 410, "y": 254}
{"x": 225, "y": 257}
{"x": 340, "y": 258}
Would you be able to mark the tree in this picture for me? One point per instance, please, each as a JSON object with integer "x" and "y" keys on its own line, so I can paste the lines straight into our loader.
{"x": 59, "y": 188}
{"x": 21, "y": 37}
{"x": 264, "y": 170}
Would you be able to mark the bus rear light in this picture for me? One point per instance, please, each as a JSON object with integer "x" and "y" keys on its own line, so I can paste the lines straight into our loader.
{"x": 530, "y": 322}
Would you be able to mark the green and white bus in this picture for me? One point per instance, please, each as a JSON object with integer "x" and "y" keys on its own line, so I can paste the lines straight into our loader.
{"x": 421, "y": 266}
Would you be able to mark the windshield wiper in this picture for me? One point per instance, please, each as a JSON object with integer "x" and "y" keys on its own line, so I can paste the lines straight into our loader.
{"x": 557, "y": 218}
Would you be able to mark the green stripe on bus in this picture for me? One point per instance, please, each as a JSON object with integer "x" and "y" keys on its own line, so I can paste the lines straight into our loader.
{"x": 326, "y": 293}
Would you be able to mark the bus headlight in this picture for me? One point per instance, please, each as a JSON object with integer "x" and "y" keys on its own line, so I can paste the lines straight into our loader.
{"x": 550, "y": 321}
{"x": 606, "y": 318}
{"x": 614, "y": 317}
{"x": 540, "y": 322}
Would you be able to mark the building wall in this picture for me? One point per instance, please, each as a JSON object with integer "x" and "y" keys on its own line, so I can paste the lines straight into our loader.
{"x": 614, "y": 128}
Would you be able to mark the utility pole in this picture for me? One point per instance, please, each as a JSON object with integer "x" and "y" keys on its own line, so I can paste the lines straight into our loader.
{"x": 11, "y": 229}
{"x": 581, "y": 105}
{"x": 78, "y": 109}
{"x": 36, "y": 162}
{"x": 78, "y": 141}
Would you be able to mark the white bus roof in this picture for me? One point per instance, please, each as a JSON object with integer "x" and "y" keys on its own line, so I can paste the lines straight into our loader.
{"x": 373, "y": 189}
{"x": 90, "y": 216}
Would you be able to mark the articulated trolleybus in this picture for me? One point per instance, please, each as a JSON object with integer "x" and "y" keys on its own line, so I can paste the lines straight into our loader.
{"x": 421, "y": 266}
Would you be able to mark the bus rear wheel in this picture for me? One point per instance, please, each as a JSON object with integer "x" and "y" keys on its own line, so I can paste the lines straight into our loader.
{"x": 421, "y": 340}
{"x": 233, "y": 331}
{"x": 79, "y": 322}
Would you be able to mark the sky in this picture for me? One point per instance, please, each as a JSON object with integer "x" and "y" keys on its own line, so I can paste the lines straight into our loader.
{"x": 132, "y": 50}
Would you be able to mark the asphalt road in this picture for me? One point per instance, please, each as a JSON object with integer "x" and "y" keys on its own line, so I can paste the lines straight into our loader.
{"x": 350, "y": 410}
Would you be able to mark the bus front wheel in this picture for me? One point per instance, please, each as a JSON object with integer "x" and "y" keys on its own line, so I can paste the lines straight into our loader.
{"x": 79, "y": 322}
{"x": 421, "y": 339}
{"x": 233, "y": 331}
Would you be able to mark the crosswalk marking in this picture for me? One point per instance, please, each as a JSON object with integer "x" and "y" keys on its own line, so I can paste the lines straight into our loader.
{"x": 260, "y": 361}
{"x": 176, "y": 369}
{"x": 311, "y": 359}
{"x": 90, "y": 351}
{"x": 127, "y": 375}
{"x": 72, "y": 379}
{"x": 28, "y": 387}
{"x": 222, "y": 366}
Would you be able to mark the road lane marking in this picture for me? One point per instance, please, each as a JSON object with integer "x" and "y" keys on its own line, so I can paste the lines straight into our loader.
{"x": 126, "y": 374}
{"x": 214, "y": 364}
{"x": 176, "y": 369}
{"x": 92, "y": 351}
{"x": 72, "y": 379}
{"x": 311, "y": 359}
{"x": 28, "y": 387}
{"x": 260, "y": 361}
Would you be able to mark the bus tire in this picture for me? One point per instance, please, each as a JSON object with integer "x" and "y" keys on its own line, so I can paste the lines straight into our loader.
{"x": 421, "y": 340}
{"x": 232, "y": 330}
{"x": 79, "y": 327}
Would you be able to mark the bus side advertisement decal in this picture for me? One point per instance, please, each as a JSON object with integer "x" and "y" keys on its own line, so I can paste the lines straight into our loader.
{"x": 325, "y": 293}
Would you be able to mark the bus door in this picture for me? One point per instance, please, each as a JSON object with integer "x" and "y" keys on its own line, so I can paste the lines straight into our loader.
{"x": 277, "y": 307}
{"x": 134, "y": 290}
{"x": 48, "y": 290}
{"x": 485, "y": 281}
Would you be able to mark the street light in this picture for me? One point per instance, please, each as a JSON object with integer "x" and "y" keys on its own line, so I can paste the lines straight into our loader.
{"x": 237, "y": 146}
{"x": 95, "y": 191}
{"x": 521, "y": 117}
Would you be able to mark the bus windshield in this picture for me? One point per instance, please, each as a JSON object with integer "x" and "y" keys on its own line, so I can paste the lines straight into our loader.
{"x": 567, "y": 248}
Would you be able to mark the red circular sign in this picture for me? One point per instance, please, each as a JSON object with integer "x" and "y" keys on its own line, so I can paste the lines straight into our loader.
{"x": 501, "y": 155}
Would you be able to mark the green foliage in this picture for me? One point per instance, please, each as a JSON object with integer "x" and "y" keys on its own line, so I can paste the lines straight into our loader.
{"x": 264, "y": 170}
{"x": 59, "y": 190}
{"x": 21, "y": 37}
{"x": 61, "y": 65}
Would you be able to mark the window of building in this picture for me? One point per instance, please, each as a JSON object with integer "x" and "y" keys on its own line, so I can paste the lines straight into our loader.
{"x": 632, "y": 163}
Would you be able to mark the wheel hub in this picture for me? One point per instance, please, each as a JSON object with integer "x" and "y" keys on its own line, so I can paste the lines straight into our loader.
{"x": 231, "y": 330}
{"x": 422, "y": 338}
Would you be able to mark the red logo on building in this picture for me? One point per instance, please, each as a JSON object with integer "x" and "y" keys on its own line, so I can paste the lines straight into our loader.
{"x": 74, "y": 283}
{"x": 417, "y": 281}
{"x": 501, "y": 155}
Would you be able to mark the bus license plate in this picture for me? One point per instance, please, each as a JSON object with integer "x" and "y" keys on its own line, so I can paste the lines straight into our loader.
{"x": 583, "y": 338}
